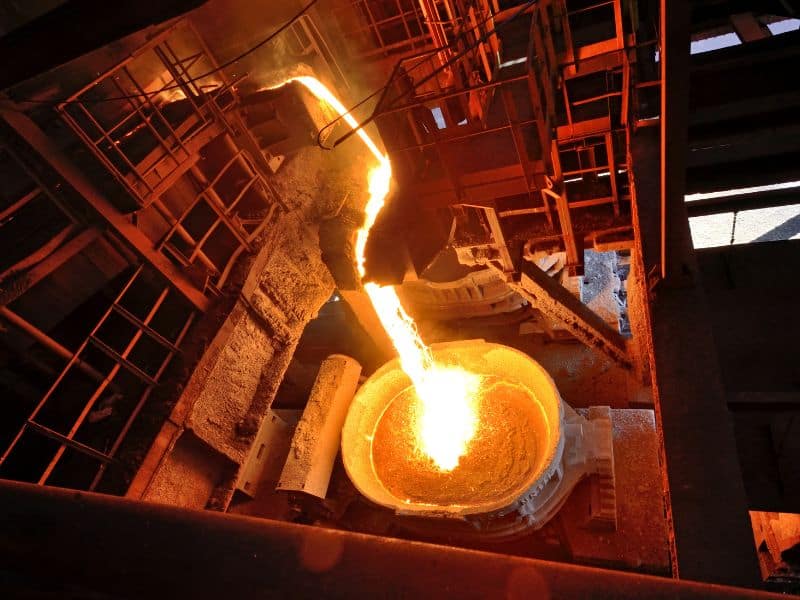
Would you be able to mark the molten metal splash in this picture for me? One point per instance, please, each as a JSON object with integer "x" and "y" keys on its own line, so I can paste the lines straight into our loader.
{"x": 447, "y": 418}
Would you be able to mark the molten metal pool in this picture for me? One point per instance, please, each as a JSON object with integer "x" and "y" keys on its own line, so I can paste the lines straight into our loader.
{"x": 516, "y": 446}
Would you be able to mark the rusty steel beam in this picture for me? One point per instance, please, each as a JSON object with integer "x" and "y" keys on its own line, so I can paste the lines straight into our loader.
{"x": 103, "y": 546}
{"x": 553, "y": 299}
{"x": 711, "y": 538}
{"x": 45, "y": 340}
{"x": 52, "y": 155}
{"x": 674, "y": 126}
{"x": 52, "y": 262}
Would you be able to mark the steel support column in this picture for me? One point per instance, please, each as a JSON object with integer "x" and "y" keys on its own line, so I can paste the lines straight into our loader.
{"x": 674, "y": 128}
{"x": 85, "y": 544}
{"x": 711, "y": 537}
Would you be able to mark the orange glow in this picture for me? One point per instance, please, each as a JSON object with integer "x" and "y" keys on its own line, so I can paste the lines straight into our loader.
{"x": 446, "y": 419}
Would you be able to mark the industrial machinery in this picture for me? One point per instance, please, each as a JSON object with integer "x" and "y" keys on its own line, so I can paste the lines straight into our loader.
{"x": 506, "y": 285}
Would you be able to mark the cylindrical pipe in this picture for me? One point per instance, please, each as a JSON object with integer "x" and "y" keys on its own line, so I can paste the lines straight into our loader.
{"x": 104, "y": 545}
{"x": 48, "y": 342}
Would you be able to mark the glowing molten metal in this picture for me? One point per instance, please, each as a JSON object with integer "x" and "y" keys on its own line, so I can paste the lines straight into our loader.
{"x": 446, "y": 419}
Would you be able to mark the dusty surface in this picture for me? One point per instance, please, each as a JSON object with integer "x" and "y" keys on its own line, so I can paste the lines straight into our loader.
{"x": 499, "y": 461}
{"x": 290, "y": 288}
{"x": 640, "y": 540}
{"x": 192, "y": 475}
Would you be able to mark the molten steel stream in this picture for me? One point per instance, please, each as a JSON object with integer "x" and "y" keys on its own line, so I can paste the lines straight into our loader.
{"x": 446, "y": 421}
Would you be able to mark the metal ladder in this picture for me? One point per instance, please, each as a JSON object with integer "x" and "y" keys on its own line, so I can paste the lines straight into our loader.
{"x": 121, "y": 361}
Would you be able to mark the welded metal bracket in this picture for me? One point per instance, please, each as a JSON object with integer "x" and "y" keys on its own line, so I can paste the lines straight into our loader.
{"x": 550, "y": 297}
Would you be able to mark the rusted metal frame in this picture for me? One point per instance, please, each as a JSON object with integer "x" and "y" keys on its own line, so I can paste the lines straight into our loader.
{"x": 444, "y": 96}
{"x": 121, "y": 361}
{"x": 549, "y": 296}
{"x": 451, "y": 174}
{"x": 181, "y": 231}
{"x": 584, "y": 170}
{"x": 544, "y": 74}
{"x": 322, "y": 48}
{"x": 55, "y": 259}
{"x": 70, "y": 363}
{"x": 223, "y": 276}
{"x": 605, "y": 96}
{"x": 219, "y": 207}
{"x": 626, "y": 89}
{"x": 450, "y": 61}
{"x": 227, "y": 83}
{"x": 139, "y": 324}
{"x": 112, "y": 453}
{"x": 172, "y": 65}
{"x": 401, "y": 12}
{"x": 176, "y": 224}
{"x": 118, "y": 222}
{"x": 522, "y": 211}
{"x": 591, "y": 202}
{"x": 519, "y": 143}
{"x": 479, "y": 47}
{"x": 198, "y": 248}
{"x": 560, "y": 8}
{"x": 148, "y": 97}
{"x": 396, "y": 17}
{"x": 612, "y": 172}
{"x": 99, "y": 154}
{"x": 464, "y": 136}
{"x": 432, "y": 20}
{"x": 47, "y": 342}
{"x": 70, "y": 443}
{"x": 618, "y": 25}
{"x": 499, "y": 239}
{"x": 564, "y": 216}
{"x": 256, "y": 232}
{"x": 673, "y": 125}
{"x": 413, "y": 42}
{"x": 7, "y": 212}
{"x": 42, "y": 252}
{"x": 590, "y": 8}
{"x": 157, "y": 38}
{"x": 534, "y": 70}
{"x": 209, "y": 98}
{"x": 567, "y": 106}
{"x": 250, "y": 183}
{"x": 547, "y": 36}
{"x": 138, "y": 105}
{"x": 374, "y": 25}
{"x": 516, "y": 134}
{"x": 195, "y": 92}
{"x": 225, "y": 168}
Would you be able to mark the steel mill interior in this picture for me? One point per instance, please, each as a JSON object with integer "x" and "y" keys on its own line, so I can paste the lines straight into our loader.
{"x": 399, "y": 298}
